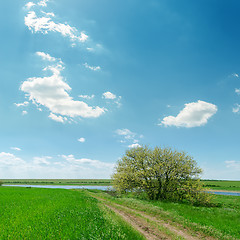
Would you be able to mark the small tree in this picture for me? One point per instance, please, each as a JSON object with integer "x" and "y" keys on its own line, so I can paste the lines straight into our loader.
{"x": 162, "y": 173}
{"x": 1, "y": 183}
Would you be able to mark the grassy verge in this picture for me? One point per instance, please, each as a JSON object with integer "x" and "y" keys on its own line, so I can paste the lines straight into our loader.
{"x": 221, "y": 222}
{"x": 222, "y": 185}
{"x": 98, "y": 182}
{"x": 29, "y": 213}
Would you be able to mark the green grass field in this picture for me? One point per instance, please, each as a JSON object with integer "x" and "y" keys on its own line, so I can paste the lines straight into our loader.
{"x": 32, "y": 213}
{"x": 222, "y": 185}
{"x": 221, "y": 222}
{"x": 99, "y": 182}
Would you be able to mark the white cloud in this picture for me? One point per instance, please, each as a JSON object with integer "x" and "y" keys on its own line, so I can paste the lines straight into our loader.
{"x": 41, "y": 160}
{"x": 194, "y": 114}
{"x": 24, "y": 113}
{"x": 90, "y": 49}
{"x": 134, "y": 145}
{"x": 53, "y": 93}
{"x": 87, "y": 96}
{"x": 45, "y": 24}
{"x": 24, "y": 104}
{"x": 109, "y": 95}
{"x": 30, "y": 5}
{"x": 126, "y": 133}
{"x": 233, "y": 164}
{"x": 57, "y": 118}
{"x": 88, "y": 162}
{"x": 235, "y": 75}
{"x": 82, "y": 140}
{"x": 237, "y": 90}
{"x": 16, "y": 148}
{"x": 62, "y": 166}
{"x": 46, "y": 56}
{"x": 92, "y": 67}
{"x": 10, "y": 159}
{"x": 236, "y": 108}
{"x": 43, "y": 3}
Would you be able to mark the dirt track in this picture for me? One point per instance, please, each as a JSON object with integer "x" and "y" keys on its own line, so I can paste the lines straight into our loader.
{"x": 151, "y": 227}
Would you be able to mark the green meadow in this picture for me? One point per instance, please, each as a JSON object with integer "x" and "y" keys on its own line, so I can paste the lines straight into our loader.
{"x": 31, "y": 213}
{"x": 98, "y": 182}
{"x": 41, "y": 213}
{"x": 222, "y": 185}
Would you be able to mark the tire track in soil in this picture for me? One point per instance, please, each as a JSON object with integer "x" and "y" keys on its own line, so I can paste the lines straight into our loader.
{"x": 147, "y": 231}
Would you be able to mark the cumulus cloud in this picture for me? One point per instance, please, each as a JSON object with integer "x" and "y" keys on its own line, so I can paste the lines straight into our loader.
{"x": 10, "y": 159}
{"x": 53, "y": 93}
{"x": 62, "y": 166}
{"x": 109, "y": 95}
{"x": 45, "y": 24}
{"x": 16, "y": 148}
{"x": 134, "y": 145}
{"x": 194, "y": 114}
{"x": 93, "y": 68}
{"x": 82, "y": 140}
{"x": 29, "y": 5}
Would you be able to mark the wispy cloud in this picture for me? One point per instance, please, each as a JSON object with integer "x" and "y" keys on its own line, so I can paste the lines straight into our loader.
{"x": 233, "y": 164}
{"x": 129, "y": 137}
{"x": 86, "y": 161}
{"x": 87, "y": 96}
{"x": 110, "y": 96}
{"x": 235, "y": 75}
{"x": 53, "y": 93}
{"x": 42, "y": 160}
{"x": 236, "y": 108}
{"x": 16, "y": 148}
{"x": 46, "y": 56}
{"x": 237, "y": 91}
{"x": 45, "y": 24}
{"x": 194, "y": 114}
{"x": 24, "y": 113}
{"x": 24, "y": 104}
{"x": 93, "y": 68}
{"x": 57, "y": 118}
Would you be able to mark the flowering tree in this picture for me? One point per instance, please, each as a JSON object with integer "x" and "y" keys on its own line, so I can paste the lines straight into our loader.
{"x": 162, "y": 173}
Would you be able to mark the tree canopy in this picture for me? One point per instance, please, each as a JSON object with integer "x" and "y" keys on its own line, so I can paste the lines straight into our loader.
{"x": 161, "y": 173}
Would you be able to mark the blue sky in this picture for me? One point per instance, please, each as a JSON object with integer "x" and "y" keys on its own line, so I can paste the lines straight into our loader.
{"x": 82, "y": 81}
